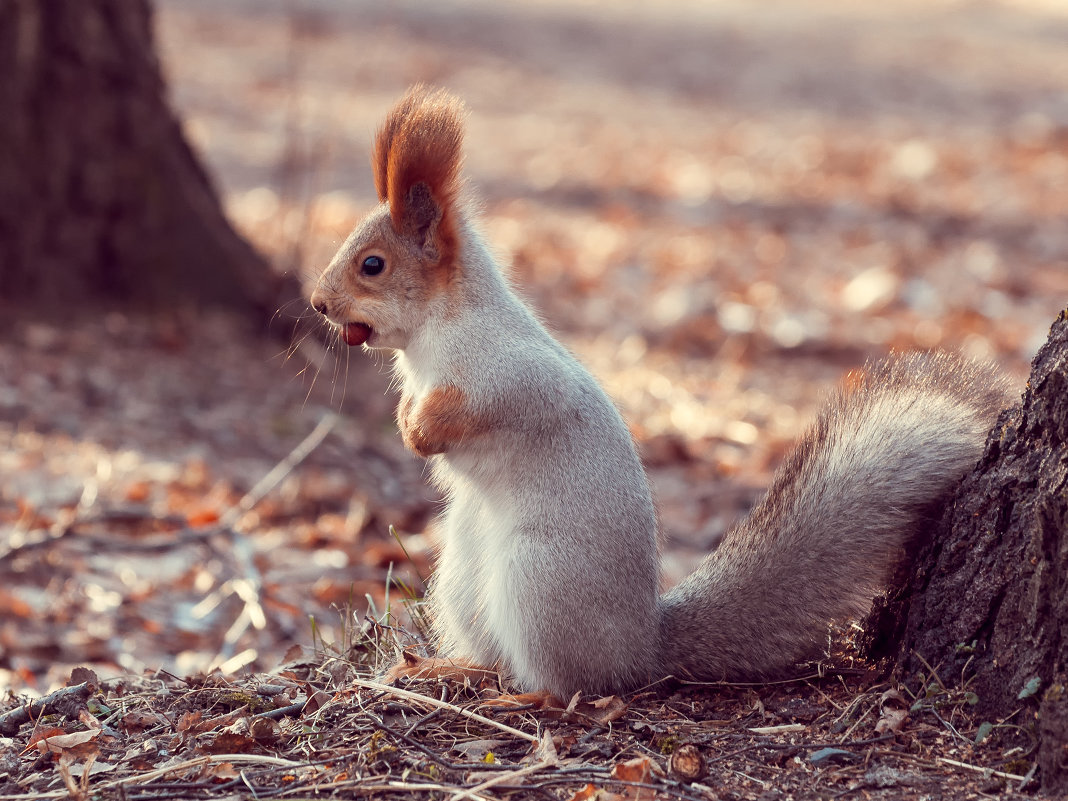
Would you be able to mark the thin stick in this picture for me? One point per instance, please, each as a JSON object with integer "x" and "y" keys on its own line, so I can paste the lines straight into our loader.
{"x": 426, "y": 699}
{"x": 200, "y": 761}
{"x": 280, "y": 470}
{"x": 501, "y": 779}
{"x": 358, "y": 784}
{"x": 980, "y": 769}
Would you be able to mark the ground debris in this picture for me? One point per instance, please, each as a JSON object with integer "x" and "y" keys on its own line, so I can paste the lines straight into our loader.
{"x": 212, "y": 735}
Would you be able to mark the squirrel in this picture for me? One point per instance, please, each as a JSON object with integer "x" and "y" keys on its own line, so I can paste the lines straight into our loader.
{"x": 548, "y": 565}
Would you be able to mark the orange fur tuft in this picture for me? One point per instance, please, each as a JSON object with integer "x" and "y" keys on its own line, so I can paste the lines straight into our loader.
{"x": 420, "y": 142}
{"x": 442, "y": 419}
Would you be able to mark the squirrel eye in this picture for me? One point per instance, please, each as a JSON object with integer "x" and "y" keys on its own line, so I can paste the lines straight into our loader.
{"x": 372, "y": 265}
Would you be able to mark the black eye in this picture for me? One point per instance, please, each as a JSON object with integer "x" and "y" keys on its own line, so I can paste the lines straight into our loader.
{"x": 372, "y": 265}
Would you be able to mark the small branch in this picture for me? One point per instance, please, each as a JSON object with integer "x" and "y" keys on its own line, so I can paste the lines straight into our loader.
{"x": 280, "y": 470}
{"x": 979, "y": 769}
{"x": 63, "y": 701}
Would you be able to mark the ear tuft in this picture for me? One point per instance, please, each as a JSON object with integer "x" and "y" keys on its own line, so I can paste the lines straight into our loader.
{"x": 420, "y": 142}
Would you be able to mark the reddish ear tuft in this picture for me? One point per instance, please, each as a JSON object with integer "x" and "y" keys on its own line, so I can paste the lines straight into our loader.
{"x": 420, "y": 142}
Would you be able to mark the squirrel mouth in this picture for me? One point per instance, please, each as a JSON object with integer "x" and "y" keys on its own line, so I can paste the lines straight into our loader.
{"x": 356, "y": 333}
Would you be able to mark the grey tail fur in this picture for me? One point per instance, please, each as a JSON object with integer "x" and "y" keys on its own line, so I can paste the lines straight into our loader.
{"x": 879, "y": 459}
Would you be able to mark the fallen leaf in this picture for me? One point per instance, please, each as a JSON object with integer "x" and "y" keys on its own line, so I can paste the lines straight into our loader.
{"x": 893, "y": 712}
{"x": 316, "y": 701}
{"x": 607, "y": 709}
{"x": 136, "y": 722}
{"x": 639, "y": 769}
{"x": 477, "y": 749}
{"x": 591, "y": 793}
{"x": 58, "y": 743}
{"x": 264, "y": 730}
{"x": 83, "y": 675}
{"x": 189, "y": 722}
{"x": 227, "y": 742}
{"x": 41, "y": 734}
{"x": 545, "y": 751}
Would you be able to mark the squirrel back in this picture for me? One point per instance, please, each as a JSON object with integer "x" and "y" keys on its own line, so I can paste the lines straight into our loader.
{"x": 548, "y": 564}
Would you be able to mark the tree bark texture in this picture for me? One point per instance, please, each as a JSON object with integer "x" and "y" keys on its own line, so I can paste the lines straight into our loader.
{"x": 989, "y": 597}
{"x": 102, "y": 202}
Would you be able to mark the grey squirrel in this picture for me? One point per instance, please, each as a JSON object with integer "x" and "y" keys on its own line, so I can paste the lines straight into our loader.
{"x": 548, "y": 564}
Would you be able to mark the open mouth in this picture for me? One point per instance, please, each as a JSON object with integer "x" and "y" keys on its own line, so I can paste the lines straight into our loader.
{"x": 356, "y": 333}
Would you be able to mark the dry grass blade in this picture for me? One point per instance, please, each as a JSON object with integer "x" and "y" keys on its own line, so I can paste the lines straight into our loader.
{"x": 427, "y": 700}
{"x": 504, "y": 778}
{"x": 148, "y": 776}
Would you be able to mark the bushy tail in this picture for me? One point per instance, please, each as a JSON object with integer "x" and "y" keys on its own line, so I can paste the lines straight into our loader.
{"x": 878, "y": 460}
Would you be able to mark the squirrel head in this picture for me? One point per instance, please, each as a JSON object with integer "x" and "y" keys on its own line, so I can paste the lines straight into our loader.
{"x": 404, "y": 256}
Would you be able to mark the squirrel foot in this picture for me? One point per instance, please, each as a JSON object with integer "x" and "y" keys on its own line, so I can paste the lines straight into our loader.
{"x": 413, "y": 666}
{"x": 542, "y": 699}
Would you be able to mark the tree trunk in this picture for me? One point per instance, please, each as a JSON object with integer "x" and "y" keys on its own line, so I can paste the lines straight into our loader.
{"x": 989, "y": 598}
{"x": 101, "y": 200}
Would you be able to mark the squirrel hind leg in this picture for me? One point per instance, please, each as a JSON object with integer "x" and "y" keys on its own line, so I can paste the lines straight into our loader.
{"x": 413, "y": 666}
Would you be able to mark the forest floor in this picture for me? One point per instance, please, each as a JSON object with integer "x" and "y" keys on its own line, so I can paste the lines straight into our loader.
{"x": 720, "y": 207}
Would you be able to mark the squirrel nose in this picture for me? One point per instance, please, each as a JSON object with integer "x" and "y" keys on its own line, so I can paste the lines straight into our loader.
{"x": 318, "y": 303}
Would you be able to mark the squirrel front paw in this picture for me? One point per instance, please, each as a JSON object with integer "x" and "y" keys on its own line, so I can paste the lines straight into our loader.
{"x": 420, "y": 442}
{"x": 435, "y": 423}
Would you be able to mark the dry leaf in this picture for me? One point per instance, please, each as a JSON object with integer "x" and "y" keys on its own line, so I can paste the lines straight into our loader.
{"x": 545, "y": 751}
{"x": 607, "y": 709}
{"x": 221, "y": 770}
{"x": 264, "y": 730}
{"x": 41, "y": 734}
{"x": 227, "y": 742}
{"x": 477, "y": 749}
{"x": 58, "y": 743}
{"x": 893, "y": 712}
{"x": 591, "y": 793}
{"x": 189, "y": 722}
{"x": 316, "y": 701}
{"x": 84, "y": 675}
{"x": 136, "y": 722}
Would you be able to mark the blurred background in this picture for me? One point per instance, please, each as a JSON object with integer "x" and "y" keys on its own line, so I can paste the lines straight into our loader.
{"x": 721, "y": 207}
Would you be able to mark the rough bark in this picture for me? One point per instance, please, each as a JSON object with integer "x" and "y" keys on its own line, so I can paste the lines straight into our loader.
{"x": 989, "y": 596}
{"x": 101, "y": 200}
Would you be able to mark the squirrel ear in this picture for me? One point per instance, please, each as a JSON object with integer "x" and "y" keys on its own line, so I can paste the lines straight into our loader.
{"x": 416, "y": 162}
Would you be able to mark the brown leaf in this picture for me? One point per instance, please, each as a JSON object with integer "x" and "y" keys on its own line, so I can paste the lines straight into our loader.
{"x": 639, "y": 769}
{"x": 189, "y": 722}
{"x": 316, "y": 701}
{"x": 83, "y": 674}
{"x": 294, "y": 653}
{"x": 633, "y": 770}
{"x": 605, "y": 710}
{"x": 58, "y": 743}
{"x": 41, "y": 734}
{"x": 227, "y": 742}
{"x": 136, "y": 722}
{"x": 221, "y": 770}
{"x": 264, "y": 730}
{"x": 893, "y": 713}
{"x": 591, "y": 793}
